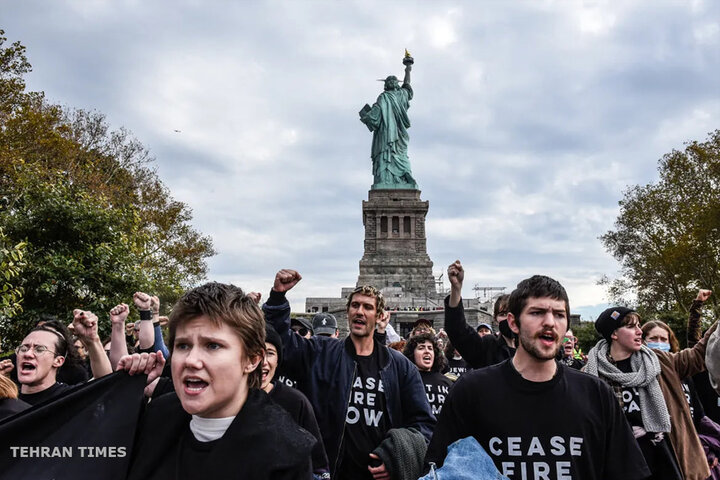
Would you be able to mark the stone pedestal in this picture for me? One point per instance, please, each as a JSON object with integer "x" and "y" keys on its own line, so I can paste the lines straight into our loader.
{"x": 395, "y": 243}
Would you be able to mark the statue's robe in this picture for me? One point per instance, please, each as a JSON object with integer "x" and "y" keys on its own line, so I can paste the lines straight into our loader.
{"x": 389, "y": 121}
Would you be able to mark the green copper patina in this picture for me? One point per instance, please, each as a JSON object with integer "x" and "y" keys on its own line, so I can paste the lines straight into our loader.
{"x": 388, "y": 120}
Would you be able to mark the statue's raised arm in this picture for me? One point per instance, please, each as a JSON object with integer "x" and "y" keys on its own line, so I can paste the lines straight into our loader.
{"x": 389, "y": 121}
{"x": 408, "y": 62}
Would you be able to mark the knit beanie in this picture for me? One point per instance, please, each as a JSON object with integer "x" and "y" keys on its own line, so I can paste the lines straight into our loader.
{"x": 610, "y": 320}
{"x": 273, "y": 338}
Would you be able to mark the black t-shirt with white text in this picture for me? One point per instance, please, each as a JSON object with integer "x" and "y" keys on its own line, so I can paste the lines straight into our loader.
{"x": 691, "y": 395}
{"x": 437, "y": 388}
{"x": 570, "y": 427}
{"x": 630, "y": 397}
{"x": 457, "y": 366}
{"x": 366, "y": 421}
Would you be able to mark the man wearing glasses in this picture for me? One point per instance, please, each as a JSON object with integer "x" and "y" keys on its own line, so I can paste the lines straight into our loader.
{"x": 43, "y": 351}
{"x": 39, "y": 357}
{"x": 567, "y": 352}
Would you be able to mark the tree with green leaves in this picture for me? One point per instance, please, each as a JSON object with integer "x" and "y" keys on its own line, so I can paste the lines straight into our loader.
{"x": 86, "y": 209}
{"x": 667, "y": 235}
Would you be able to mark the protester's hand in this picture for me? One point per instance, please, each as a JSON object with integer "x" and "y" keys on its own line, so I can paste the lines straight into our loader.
{"x": 119, "y": 314}
{"x": 703, "y": 295}
{"x": 255, "y": 296}
{"x": 382, "y": 322}
{"x": 164, "y": 321}
{"x": 150, "y": 364}
{"x": 285, "y": 280}
{"x": 6, "y": 367}
{"x": 150, "y": 388}
{"x": 86, "y": 325}
{"x": 155, "y": 305}
{"x": 142, "y": 301}
{"x": 456, "y": 275}
{"x": 129, "y": 328}
{"x": 379, "y": 473}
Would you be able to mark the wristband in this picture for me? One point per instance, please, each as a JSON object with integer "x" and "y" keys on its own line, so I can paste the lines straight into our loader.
{"x": 146, "y": 315}
{"x": 155, "y": 324}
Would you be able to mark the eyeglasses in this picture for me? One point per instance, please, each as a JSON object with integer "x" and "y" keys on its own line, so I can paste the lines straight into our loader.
{"x": 37, "y": 349}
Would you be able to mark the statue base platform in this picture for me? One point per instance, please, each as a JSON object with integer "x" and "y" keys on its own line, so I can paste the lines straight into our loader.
{"x": 395, "y": 250}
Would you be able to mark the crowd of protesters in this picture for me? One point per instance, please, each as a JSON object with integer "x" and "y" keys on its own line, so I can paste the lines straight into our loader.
{"x": 234, "y": 387}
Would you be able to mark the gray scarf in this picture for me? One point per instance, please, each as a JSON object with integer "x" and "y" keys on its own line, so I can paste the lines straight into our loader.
{"x": 646, "y": 368}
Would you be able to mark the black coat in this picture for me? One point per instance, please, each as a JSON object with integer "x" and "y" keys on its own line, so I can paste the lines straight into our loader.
{"x": 477, "y": 351}
{"x": 263, "y": 442}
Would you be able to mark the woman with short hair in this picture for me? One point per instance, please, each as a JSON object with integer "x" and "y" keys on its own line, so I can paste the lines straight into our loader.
{"x": 218, "y": 423}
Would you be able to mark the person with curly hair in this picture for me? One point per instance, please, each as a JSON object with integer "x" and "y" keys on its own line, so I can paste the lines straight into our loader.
{"x": 424, "y": 352}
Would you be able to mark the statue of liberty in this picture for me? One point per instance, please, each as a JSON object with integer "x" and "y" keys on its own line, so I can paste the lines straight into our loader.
{"x": 388, "y": 120}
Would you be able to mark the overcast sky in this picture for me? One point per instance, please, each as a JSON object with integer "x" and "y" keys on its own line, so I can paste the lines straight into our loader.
{"x": 529, "y": 120}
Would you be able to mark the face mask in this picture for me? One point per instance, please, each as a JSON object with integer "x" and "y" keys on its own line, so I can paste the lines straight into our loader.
{"x": 665, "y": 347}
{"x": 505, "y": 330}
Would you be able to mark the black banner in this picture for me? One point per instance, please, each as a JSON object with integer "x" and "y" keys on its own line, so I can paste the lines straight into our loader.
{"x": 87, "y": 432}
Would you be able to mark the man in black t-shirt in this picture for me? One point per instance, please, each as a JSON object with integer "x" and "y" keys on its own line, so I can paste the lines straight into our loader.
{"x": 43, "y": 351}
{"x": 359, "y": 389}
{"x": 536, "y": 418}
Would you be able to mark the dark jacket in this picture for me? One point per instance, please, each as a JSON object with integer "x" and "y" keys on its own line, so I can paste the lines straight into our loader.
{"x": 673, "y": 368}
{"x": 329, "y": 369}
{"x": 297, "y": 405}
{"x": 477, "y": 351}
{"x": 262, "y": 442}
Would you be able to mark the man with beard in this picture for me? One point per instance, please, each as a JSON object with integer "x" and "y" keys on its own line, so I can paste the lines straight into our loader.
{"x": 359, "y": 389}
{"x": 536, "y": 418}
{"x": 477, "y": 350}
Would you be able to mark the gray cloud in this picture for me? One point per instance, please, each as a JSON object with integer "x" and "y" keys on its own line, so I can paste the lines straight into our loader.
{"x": 529, "y": 119}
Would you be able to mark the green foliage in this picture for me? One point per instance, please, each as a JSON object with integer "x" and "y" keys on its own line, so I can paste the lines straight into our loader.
{"x": 667, "y": 236}
{"x": 12, "y": 263}
{"x": 91, "y": 218}
{"x": 587, "y": 335}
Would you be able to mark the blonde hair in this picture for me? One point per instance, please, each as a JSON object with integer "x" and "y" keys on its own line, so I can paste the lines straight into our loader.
{"x": 8, "y": 389}
{"x": 369, "y": 291}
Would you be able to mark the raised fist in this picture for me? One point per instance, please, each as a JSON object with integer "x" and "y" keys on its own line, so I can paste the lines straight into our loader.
{"x": 285, "y": 280}
{"x": 86, "y": 325}
{"x": 119, "y": 314}
{"x": 703, "y": 295}
{"x": 142, "y": 301}
{"x": 456, "y": 274}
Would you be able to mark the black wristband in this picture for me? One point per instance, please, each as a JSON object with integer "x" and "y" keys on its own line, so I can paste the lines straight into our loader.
{"x": 146, "y": 315}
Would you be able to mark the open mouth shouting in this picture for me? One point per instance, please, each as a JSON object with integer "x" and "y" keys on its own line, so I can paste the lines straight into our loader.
{"x": 359, "y": 322}
{"x": 194, "y": 385}
{"x": 548, "y": 338}
{"x": 27, "y": 368}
